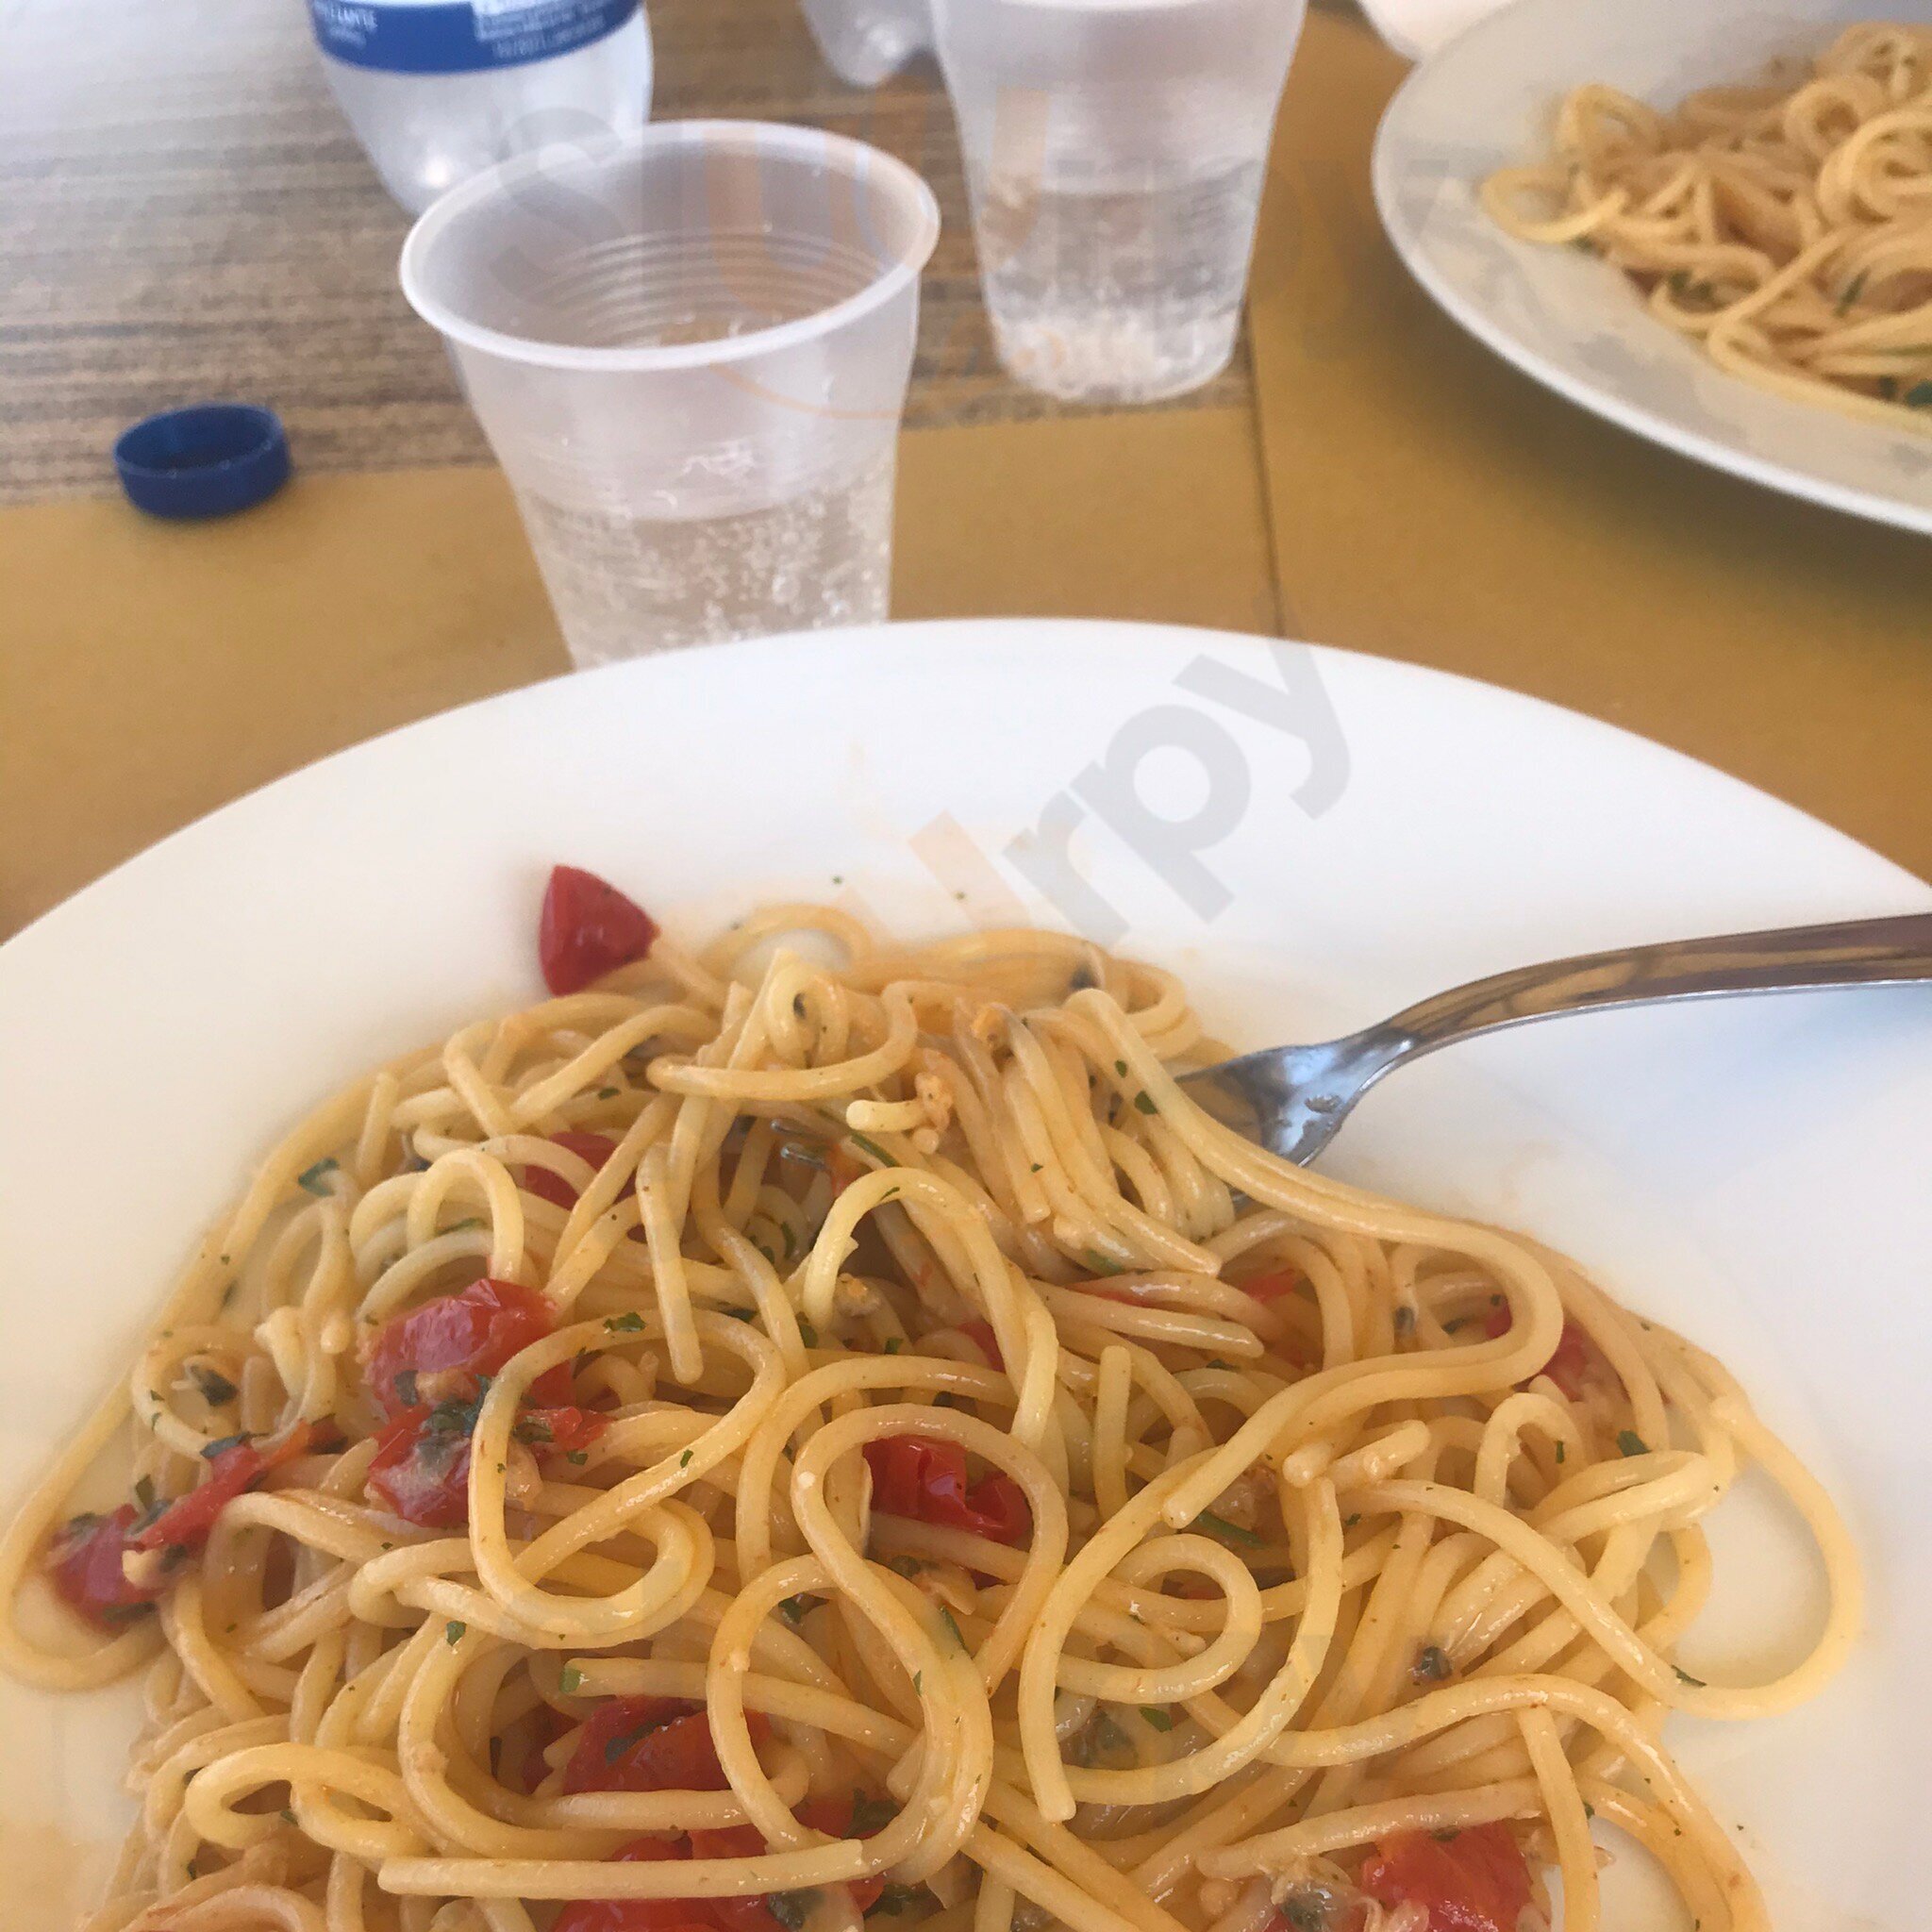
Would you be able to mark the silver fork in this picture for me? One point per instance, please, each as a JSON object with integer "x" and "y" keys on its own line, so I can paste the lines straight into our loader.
{"x": 1292, "y": 1099}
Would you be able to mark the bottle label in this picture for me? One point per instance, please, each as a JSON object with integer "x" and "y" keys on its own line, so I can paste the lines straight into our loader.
{"x": 461, "y": 36}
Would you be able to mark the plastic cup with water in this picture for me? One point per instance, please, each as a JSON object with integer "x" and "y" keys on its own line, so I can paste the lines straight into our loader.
{"x": 1115, "y": 152}
{"x": 690, "y": 352}
{"x": 865, "y": 41}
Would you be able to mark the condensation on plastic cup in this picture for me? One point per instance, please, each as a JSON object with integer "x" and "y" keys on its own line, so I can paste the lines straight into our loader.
{"x": 690, "y": 352}
{"x": 1115, "y": 153}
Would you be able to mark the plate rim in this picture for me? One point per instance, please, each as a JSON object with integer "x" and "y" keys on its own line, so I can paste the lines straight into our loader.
{"x": 1653, "y": 425}
{"x": 78, "y": 904}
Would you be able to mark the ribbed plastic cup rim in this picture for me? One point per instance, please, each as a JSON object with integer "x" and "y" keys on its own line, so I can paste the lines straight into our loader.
{"x": 857, "y": 157}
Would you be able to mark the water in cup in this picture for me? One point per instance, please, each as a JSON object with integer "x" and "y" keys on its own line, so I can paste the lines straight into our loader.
{"x": 691, "y": 354}
{"x": 824, "y": 557}
{"x": 1122, "y": 292}
{"x": 1115, "y": 152}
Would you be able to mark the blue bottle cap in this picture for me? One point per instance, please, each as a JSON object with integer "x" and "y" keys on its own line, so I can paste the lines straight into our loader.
{"x": 206, "y": 461}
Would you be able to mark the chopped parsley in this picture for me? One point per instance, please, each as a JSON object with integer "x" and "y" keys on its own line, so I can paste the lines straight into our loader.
{"x": 1350, "y": 1522}
{"x": 287, "y": 1816}
{"x": 684, "y": 1460}
{"x": 741, "y": 1314}
{"x": 904, "y": 1566}
{"x": 1222, "y": 1526}
{"x": 615, "y": 1747}
{"x": 870, "y": 1814}
{"x": 894, "y": 1343}
{"x": 215, "y": 1388}
{"x": 1119, "y": 1066}
{"x": 1918, "y": 396}
{"x": 454, "y": 1633}
{"x": 1448, "y": 1836}
{"x": 570, "y": 1681}
{"x": 794, "y": 1607}
{"x": 629, "y": 1322}
{"x": 579, "y": 1456}
{"x": 952, "y": 1623}
{"x": 315, "y": 1179}
{"x": 1039, "y": 1167}
{"x": 1099, "y": 1263}
{"x": 1146, "y": 1102}
{"x": 1162, "y": 1719}
{"x": 918, "y": 1678}
{"x": 1631, "y": 1443}
{"x": 806, "y": 1333}
{"x": 1854, "y": 289}
{"x": 872, "y": 1147}
{"x": 1560, "y": 1452}
{"x": 457, "y": 1417}
{"x": 1685, "y": 1676}
{"x": 606, "y": 1094}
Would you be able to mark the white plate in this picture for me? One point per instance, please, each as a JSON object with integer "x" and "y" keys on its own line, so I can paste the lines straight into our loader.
{"x": 1575, "y": 322}
{"x": 1366, "y": 833}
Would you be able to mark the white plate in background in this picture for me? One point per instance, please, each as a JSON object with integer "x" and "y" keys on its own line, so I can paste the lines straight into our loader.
{"x": 1362, "y": 833}
{"x": 1575, "y": 322}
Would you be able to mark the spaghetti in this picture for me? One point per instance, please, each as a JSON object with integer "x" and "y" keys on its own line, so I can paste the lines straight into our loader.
{"x": 747, "y": 1445}
{"x": 1786, "y": 229}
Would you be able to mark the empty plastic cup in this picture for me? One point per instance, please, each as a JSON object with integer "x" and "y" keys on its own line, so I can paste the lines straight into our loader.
{"x": 690, "y": 352}
{"x": 1115, "y": 152}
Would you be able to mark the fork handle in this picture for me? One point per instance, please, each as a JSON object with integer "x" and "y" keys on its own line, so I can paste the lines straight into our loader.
{"x": 1856, "y": 952}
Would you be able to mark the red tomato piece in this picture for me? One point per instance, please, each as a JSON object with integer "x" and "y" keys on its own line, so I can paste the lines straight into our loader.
{"x": 1271, "y": 1287}
{"x": 185, "y": 1523}
{"x": 455, "y": 1340}
{"x": 1475, "y": 1880}
{"x": 837, "y": 1818}
{"x": 639, "y": 1914}
{"x": 749, "y": 1914}
{"x": 1577, "y": 1360}
{"x": 984, "y": 1341}
{"x": 421, "y": 1474}
{"x": 84, "y": 1564}
{"x": 420, "y": 1469}
{"x": 550, "y": 1186}
{"x": 588, "y": 928}
{"x": 924, "y": 1478}
{"x": 563, "y": 1431}
{"x": 651, "y": 1745}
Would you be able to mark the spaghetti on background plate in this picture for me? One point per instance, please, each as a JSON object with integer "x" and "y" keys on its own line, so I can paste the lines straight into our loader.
{"x": 751, "y": 1445}
{"x": 1784, "y": 228}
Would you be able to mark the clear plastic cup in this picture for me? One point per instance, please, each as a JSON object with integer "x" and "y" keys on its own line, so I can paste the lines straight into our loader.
{"x": 690, "y": 352}
{"x": 865, "y": 41}
{"x": 1115, "y": 152}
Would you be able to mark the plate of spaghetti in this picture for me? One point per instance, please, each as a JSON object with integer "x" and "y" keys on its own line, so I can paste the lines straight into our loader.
{"x": 616, "y": 1323}
{"x": 1708, "y": 223}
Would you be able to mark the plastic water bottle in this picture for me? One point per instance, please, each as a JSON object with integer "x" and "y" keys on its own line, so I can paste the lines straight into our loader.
{"x": 439, "y": 89}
